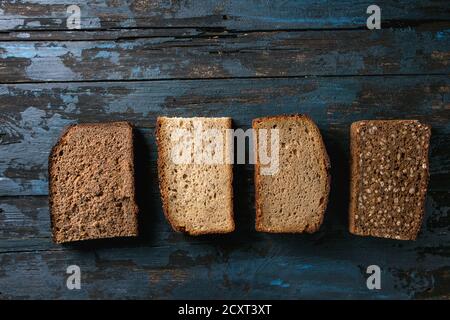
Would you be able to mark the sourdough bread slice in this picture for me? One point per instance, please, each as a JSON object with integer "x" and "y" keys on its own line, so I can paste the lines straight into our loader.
{"x": 91, "y": 183}
{"x": 389, "y": 177}
{"x": 197, "y": 194}
{"x": 294, "y": 199}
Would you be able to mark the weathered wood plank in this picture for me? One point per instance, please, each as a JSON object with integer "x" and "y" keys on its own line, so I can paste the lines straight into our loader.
{"x": 256, "y": 54}
{"x": 265, "y": 45}
{"x": 26, "y": 224}
{"x": 32, "y": 116}
{"x": 244, "y": 264}
{"x": 230, "y": 14}
{"x": 117, "y": 34}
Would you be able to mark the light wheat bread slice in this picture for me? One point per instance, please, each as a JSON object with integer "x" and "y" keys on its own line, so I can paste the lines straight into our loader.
{"x": 197, "y": 197}
{"x": 389, "y": 177}
{"x": 91, "y": 183}
{"x": 294, "y": 199}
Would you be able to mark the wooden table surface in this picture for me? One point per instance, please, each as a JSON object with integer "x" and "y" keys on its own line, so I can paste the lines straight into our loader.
{"x": 135, "y": 60}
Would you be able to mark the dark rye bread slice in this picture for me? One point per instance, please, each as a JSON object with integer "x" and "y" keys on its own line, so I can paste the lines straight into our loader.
{"x": 295, "y": 198}
{"x": 91, "y": 182}
{"x": 389, "y": 177}
{"x": 197, "y": 198}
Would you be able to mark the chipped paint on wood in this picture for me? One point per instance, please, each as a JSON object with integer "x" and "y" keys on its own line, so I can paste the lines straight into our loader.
{"x": 230, "y": 14}
{"x": 235, "y": 58}
{"x": 32, "y": 124}
{"x": 245, "y": 264}
{"x": 268, "y": 54}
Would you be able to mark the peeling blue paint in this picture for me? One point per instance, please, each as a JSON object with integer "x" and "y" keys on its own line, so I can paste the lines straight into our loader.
{"x": 279, "y": 283}
{"x": 71, "y": 103}
{"x": 22, "y": 50}
{"x": 236, "y": 68}
{"x": 136, "y": 71}
{"x": 304, "y": 266}
{"x": 69, "y": 98}
{"x": 42, "y": 69}
{"x": 23, "y": 35}
{"x": 113, "y": 56}
{"x": 139, "y": 73}
{"x": 4, "y": 90}
{"x": 335, "y": 21}
{"x": 11, "y": 23}
{"x": 130, "y": 45}
{"x": 443, "y": 35}
{"x": 105, "y": 45}
{"x": 35, "y": 23}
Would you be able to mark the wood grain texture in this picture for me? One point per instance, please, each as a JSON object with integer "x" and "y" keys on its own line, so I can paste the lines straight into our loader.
{"x": 225, "y": 55}
{"x": 230, "y": 14}
{"x": 122, "y": 34}
{"x": 245, "y": 264}
{"x": 135, "y": 60}
{"x": 32, "y": 124}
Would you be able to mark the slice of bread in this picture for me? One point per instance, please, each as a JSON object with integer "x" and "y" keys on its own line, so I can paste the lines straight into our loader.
{"x": 389, "y": 177}
{"x": 294, "y": 199}
{"x": 91, "y": 183}
{"x": 197, "y": 196}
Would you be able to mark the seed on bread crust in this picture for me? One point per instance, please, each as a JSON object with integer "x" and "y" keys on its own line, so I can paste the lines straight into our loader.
{"x": 399, "y": 173}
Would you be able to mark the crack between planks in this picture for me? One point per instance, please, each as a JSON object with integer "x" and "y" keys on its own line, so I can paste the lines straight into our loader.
{"x": 208, "y": 32}
{"x": 30, "y": 251}
{"x": 308, "y": 76}
{"x": 95, "y": 249}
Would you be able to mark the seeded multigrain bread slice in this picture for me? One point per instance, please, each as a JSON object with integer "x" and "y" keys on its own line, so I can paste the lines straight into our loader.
{"x": 389, "y": 177}
{"x": 197, "y": 195}
{"x": 294, "y": 198}
{"x": 91, "y": 183}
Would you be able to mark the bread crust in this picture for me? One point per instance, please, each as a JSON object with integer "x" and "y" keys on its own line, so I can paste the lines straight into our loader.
{"x": 257, "y": 177}
{"x": 51, "y": 184}
{"x": 354, "y": 168}
{"x": 163, "y": 183}
{"x": 355, "y": 150}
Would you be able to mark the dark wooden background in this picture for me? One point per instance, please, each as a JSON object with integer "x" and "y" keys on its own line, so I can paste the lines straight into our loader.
{"x": 135, "y": 60}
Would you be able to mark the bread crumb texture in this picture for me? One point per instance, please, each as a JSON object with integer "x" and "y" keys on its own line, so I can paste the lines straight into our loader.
{"x": 91, "y": 178}
{"x": 197, "y": 198}
{"x": 294, "y": 199}
{"x": 389, "y": 167}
